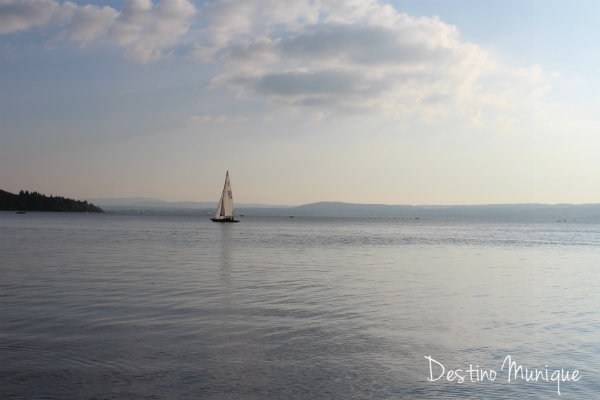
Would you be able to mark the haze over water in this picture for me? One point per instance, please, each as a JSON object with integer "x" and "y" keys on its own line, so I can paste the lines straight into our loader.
{"x": 116, "y": 306}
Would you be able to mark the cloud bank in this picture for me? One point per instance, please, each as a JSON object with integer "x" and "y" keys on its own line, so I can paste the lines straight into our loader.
{"x": 331, "y": 56}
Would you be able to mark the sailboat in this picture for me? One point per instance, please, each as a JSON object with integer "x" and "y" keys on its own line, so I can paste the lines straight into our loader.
{"x": 224, "y": 211}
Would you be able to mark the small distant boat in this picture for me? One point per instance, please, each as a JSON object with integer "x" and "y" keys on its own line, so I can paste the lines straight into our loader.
{"x": 21, "y": 212}
{"x": 224, "y": 211}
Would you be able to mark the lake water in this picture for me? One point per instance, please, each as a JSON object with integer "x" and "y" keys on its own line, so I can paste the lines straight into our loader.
{"x": 97, "y": 306}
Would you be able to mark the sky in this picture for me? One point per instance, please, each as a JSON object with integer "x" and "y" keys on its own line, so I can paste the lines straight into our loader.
{"x": 391, "y": 102}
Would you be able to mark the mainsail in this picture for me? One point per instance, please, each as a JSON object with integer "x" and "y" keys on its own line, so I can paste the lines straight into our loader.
{"x": 224, "y": 211}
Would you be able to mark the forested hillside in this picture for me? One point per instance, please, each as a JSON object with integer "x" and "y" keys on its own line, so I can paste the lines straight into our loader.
{"x": 34, "y": 201}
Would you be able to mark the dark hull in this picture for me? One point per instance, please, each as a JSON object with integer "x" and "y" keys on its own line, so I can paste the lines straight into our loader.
{"x": 224, "y": 220}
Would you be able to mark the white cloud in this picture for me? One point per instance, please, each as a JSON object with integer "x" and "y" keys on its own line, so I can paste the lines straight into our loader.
{"x": 361, "y": 56}
{"x": 21, "y": 15}
{"x": 205, "y": 118}
{"x": 90, "y": 22}
{"x": 144, "y": 29}
{"x": 229, "y": 21}
{"x": 199, "y": 119}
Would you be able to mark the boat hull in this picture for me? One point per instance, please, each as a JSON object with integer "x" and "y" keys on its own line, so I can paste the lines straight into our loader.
{"x": 224, "y": 220}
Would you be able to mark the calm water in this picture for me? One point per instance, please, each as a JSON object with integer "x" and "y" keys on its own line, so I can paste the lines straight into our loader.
{"x": 114, "y": 306}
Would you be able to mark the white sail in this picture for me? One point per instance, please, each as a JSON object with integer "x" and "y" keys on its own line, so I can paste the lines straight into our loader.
{"x": 225, "y": 207}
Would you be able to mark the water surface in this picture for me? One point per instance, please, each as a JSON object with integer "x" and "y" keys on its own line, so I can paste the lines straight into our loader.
{"x": 117, "y": 306}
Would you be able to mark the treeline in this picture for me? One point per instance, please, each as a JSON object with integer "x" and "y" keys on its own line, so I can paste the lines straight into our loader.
{"x": 34, "y": 201}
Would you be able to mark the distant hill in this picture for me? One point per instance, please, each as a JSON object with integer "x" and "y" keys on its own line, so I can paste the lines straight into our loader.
{"x": 487, "y": 212}
{"x": 504, "y": 212}
{"x": 499, "y": 212}
{"x": 34, "y": 201}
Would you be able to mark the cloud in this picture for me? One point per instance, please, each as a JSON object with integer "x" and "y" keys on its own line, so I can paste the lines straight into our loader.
{"x": 362, "y": 56}
{"x": 362, "y": 44}
{"x": 336, "y": 56}
{"x": 309, "y": 83}
{"x": 228, "y": 22}
{"x": 143, "y": 29}
{"x": 90, "y": 22}
{"x": 205, "y": 118}
{"x": 21, "y": 15}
